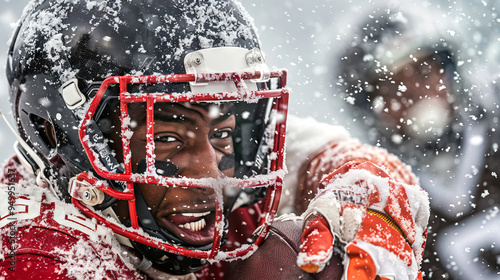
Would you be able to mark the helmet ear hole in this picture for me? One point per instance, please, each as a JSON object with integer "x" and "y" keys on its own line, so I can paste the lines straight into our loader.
{"x": 45, "y": 130}
{"x": 50, "y": 134}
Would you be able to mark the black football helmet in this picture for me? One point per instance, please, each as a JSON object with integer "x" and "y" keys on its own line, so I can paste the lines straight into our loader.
{"x": 76, "y": 66}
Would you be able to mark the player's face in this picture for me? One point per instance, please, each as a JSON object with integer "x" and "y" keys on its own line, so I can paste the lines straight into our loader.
{"x": 419, "y": 86}
{"x": 192, "y": 141}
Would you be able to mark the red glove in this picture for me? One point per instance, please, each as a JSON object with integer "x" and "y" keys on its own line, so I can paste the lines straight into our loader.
{"x": 317, "y": 245}
{"x": 381, "y": 222}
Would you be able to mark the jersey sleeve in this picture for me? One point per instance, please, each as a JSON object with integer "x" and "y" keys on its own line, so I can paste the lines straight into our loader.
{"x": 305, "y": 136}
{"x": 316, "y": 149}
{"x": 44, "y": 238}
{"x": 32, "y": 265}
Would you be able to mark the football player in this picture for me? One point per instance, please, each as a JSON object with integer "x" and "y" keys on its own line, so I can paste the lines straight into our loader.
{"x": 152, "y": 145}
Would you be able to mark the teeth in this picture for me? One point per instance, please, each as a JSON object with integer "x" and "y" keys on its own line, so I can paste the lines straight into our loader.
{"x": 195, "y": 214}
{"x": 195, "y": 226}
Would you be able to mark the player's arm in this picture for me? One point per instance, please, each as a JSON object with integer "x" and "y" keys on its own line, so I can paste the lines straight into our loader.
{"x": 370, "y": 202}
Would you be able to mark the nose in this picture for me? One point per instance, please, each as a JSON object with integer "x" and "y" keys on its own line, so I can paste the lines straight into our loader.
{"x": 201, "y": 161}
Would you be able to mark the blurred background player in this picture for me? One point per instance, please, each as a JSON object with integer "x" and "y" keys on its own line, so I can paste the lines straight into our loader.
{"x": 408, "y": 77}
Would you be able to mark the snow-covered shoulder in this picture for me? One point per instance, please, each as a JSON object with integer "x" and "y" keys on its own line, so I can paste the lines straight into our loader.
{"x": 77, "y": 245}
{"x": 304, "y": 137}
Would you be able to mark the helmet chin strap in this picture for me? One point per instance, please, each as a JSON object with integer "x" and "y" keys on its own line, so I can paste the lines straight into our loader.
{"x": 30, "y": 159}
{"x": 110, "y": 213}
{"x": 146, "y": 266}
{"x": 142, "y": 264}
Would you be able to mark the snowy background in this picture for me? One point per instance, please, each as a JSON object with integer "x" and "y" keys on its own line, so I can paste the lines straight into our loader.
{"x": 303, "y": 37}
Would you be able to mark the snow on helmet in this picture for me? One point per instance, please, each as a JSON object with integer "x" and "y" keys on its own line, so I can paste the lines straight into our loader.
{"x": 382, "y": 45}
{"x": 75, "y": 66}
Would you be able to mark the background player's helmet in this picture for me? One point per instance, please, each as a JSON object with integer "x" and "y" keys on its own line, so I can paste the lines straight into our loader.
{"x": 382, "y": 45}
{"x": 73, "y": 64}
{"x": 453, "y": 141}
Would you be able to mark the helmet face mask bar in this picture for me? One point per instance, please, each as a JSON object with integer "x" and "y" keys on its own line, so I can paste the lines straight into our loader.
{"x": 253, "y": 180}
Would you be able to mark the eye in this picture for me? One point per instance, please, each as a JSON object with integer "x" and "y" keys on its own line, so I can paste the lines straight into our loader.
{"x": 166, "y": 139}
{"x": 223, "y": 134}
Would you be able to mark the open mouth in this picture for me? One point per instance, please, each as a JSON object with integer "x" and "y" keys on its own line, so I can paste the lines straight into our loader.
{"x": 194, "y": 228}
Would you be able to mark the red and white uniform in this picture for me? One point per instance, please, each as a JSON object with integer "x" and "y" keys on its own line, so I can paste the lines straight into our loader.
{"x": 316, "y": 149}
{"x": 55, "y": 241}
{"x": 45, "y": 238}
{"x": 349, "y": 191}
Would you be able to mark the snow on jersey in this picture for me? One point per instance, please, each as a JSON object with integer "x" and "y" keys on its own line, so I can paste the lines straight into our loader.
{"x": 45, "y": 238}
